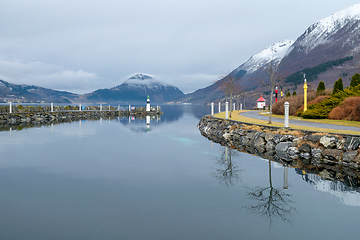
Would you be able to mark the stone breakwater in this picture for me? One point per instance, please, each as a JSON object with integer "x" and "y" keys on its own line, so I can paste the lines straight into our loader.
{"x": 333, "y": 157}
{"x": 43, "y": 116}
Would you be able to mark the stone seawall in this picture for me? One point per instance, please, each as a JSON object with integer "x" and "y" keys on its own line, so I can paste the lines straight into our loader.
{"x": 334, "y": 157}
{"x": 23, "y": 119}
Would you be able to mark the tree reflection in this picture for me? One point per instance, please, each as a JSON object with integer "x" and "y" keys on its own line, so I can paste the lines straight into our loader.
{"x": 271, "y": 203}
{"x": 227, "y": 173}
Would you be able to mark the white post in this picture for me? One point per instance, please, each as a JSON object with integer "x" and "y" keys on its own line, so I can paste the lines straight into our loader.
{"x": 240, "y": 106}
{"x": 80, "y": 107}
{"x": 219, "y": 107}
{"x": 109, "y": 108}
{"x": 148, "y": 104}
{"x": 227, "y": 110}
{"x": 129, "y": 108}
{"x": 52, "y": 107}
{"x": 100, "y": 107}
{"x": 119, "y": 108}
{"x": 10, "y": 108}
{"x": 286, "y": 114}
{"x": 212, "y": 109}
{"x": 233, "y": 107}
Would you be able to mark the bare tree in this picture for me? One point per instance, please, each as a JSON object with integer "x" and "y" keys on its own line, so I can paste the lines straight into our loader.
{"x": 271, "y": 68}
{"x": 227, "y": 84}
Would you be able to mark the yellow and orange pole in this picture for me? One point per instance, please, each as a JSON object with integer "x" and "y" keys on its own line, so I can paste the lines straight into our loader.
{"x": 305, "y": 95}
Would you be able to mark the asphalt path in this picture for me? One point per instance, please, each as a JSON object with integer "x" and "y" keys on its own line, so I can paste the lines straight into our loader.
{"x": 256, "y": 115}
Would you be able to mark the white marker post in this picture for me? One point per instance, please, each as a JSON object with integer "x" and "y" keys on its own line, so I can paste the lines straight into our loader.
{"x": 233, "y": 107}
{"x": 10, "y": 107}
{"x": 219, "y": 107}
{"x": 100, "y": 107}
{"x": 212, "y": 109}
{"x": 80, "y": 107}
{"x": 148, "y": 104}
{"x": 129, "y": 108}
{"x": 109, "y": 108}
{"x": 227, "y": 110}
{"x": 286, "y": 123}
{"x": 240, "y": 106}
{"x": 52, "y": 107}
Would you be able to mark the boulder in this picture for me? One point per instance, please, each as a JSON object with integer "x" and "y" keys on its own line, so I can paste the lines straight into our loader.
{"x": 282, "y": 148}
{"x": 349, "y": 156}
{"x": 332, "y": 154}
{"x": 351, "y": 143}
{"x": 312, "y": 138}
{"x": 329, "y": 141}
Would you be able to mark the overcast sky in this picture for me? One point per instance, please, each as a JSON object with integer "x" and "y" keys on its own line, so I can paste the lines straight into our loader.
{"x": 84, "y": 45}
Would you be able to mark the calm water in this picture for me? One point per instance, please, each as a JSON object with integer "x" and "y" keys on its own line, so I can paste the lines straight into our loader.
{"x": 114, "y": 179}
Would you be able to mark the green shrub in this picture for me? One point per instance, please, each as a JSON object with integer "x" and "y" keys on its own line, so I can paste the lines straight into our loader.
{"x": 355, "y": 80}
{"x": 294, "y": 93}
{"x": 288, "y": 94}
{"x": 338, "y": 86}
{"x": 321, "y": 88}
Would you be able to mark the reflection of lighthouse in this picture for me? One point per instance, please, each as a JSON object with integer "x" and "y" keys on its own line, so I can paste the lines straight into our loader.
{"x": 148, "y": 122}
{"x": 148, "y": 104}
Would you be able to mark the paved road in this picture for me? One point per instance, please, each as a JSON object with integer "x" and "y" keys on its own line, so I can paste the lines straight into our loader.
{"x": 256, "y": 115}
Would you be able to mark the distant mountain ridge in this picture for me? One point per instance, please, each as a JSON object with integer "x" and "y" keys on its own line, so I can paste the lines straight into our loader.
{"x": 30, "y": 93}
{"x": 137, "y": 88}
{"x": 330, "y": 40}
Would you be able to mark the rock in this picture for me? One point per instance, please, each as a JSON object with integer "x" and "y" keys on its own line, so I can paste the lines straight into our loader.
{"x": 293, "y": 152}
{"x": 297, "y": 141}
{"x": 340, "y": 144}
{"x": 226, "y": 136}
{"x": 329, "y": 141}
{"x": 316, "y": 153}
{"x": 349, "y": 156}
{"x": 268, "y": 136}
{"x": 351, "y": 143}
{"x": 259, "y": 144}
{"x": 270, "y": 146}
{"x": 305, "y": 148}
{"x": 312, "y": 138}
{"x": 277, "y": 138}
{"x": 332, "y": 154}
{"x": 326, "y": 175}
{"x": 281, "y": 149}
{"x": 287, "y": 138}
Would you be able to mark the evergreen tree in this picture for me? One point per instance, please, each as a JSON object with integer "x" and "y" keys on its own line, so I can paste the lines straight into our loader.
{"x": 321, "y": 88}
{"x": 338, "y": 86}
{"x": 294, "y": 93}
{"x": 288, "y": 94}
{"x": 355, "y": 80}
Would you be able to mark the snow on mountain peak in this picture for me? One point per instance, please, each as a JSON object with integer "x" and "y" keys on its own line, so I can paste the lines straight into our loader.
{"x": 140, "y": 76}
{"x": 328, "y": 26}
{"x": 276, "y": 51}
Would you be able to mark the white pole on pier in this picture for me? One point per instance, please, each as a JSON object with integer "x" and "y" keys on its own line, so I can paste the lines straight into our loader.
{"x": 129, "y": 108}
{"x": 219, "y": 107}
{"x": 212, "y": 109}
{"x": 227, "y": 110}
{"x": 148, "y": 104}
{"x": 10, "y": 108}
{"x": 100, "y": 107}
{"x": 286, "y": 123}
{"x": 52, "y": 107}
{"x": 80, "y": 107}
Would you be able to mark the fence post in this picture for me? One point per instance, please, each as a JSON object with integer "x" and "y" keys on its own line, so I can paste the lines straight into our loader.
{"x": 10, "y": 107}
{"x": 219, "y": 107}
{"x": 212, "y": 109}
{"x": 286, "y": 114}
{"x": 227, "y": 110}
{"x": 52, "y": 107}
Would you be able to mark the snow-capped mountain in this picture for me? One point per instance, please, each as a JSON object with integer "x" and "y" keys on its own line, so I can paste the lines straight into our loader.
{"x": 275, "y": 52}
{"x": 30, "y": 93}
{"x": 136, "y": 89}
{"x": 331, "y": 38}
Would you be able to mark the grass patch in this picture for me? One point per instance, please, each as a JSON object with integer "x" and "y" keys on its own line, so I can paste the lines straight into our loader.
{"x": 237, "y": 117}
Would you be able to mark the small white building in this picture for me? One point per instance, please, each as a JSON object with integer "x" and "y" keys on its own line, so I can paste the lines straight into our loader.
{"x": 260, "y": 103}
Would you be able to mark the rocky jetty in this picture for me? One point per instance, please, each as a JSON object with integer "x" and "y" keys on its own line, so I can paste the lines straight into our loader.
{"x": 42, "y": 115}
{"x": 334, "y": 157}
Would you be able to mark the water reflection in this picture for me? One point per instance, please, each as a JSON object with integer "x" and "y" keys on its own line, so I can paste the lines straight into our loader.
{"x": 227, "y": 173}
{"x": 271, "y": 203}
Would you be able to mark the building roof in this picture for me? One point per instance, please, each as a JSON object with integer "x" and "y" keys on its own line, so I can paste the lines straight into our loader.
{"x": 261, "y": 99}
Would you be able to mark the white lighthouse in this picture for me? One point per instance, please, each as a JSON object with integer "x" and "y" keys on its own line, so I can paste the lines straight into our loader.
{"x": 148, "y": 104}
